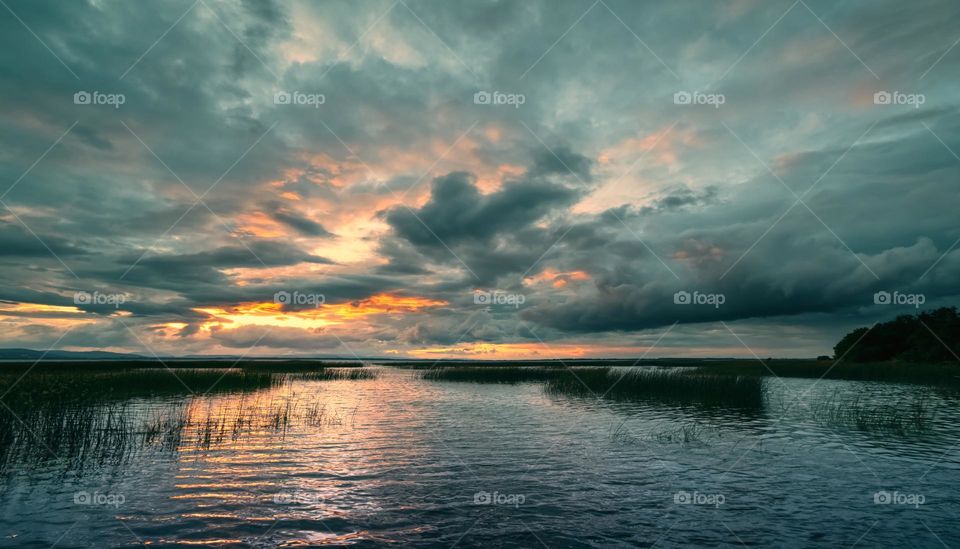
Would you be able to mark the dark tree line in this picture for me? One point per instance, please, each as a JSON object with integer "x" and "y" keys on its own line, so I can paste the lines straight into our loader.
{"x": 924, "y": 337}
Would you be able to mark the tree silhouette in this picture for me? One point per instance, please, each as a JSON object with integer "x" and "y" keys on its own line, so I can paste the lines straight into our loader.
{"x": 926, "y": 337}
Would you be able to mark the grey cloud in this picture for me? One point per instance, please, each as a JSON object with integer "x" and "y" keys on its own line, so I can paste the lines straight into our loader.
{"x": 457, "y": 212}
{"x": 301, "y": 223}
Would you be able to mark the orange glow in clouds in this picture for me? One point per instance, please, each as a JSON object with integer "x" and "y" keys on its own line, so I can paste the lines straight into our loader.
{"x": 273, "y": 314}
{"x": 556, "y": 278}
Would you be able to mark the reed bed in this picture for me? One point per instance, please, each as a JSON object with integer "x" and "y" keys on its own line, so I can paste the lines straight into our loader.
{"x": 44, "y": 386}
{"x": 335, "y": 374}
{"x": 197, "y": 429}
{"x": 93, "y": 415}
{"x": 678, "y": 386}
{"x": 939, "y": 374}
{"x": 667, "y": 386}
{"x": 904, "y": 415}
{"x": 493, "y": 374}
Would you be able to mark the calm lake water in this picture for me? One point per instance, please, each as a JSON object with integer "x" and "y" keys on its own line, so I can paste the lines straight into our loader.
{"x": 400, "y": 460}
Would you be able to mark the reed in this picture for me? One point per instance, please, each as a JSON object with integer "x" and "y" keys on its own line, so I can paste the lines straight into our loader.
{"x": 940, "y": 374}
{"x": 493, "y": 374}
{"x": 94, "y": 415}
{"x": 667, "y": 386}
{"x": 902, "y": 416}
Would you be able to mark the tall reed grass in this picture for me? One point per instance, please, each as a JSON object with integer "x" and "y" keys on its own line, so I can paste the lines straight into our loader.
{"x": 668, "y": 386}
{"x": 89, "y": 415}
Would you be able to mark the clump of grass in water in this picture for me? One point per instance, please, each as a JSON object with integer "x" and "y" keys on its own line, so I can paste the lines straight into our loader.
{"x": 334, "y": 374}
{"x": 82, "y": 414}
{"x": 275, "y": 416}
{"x": 672, "y": 386}
{"x": 939, "y": 374}
{"x": 44, "y": 386}
{"x": 492, "y": 374}
{"x": 907, "y": 415}
{"x": 668, "y": 386}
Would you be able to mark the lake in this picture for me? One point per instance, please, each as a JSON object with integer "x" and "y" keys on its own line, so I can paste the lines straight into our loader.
{"x": 401, "y": 460}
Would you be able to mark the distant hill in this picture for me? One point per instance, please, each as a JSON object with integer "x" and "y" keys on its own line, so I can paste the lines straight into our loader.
{"x": 30, "y": 354}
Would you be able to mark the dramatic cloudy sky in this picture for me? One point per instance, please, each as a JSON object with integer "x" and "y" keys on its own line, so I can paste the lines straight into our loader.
{"x": 561, "y": 221}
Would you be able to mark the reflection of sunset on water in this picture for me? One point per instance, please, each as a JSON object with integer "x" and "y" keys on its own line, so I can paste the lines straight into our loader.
{"x": 306, "y": 445}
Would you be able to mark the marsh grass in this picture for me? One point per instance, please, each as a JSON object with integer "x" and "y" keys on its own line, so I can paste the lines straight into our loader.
{"x": 944, "y": 374}
{"x": 493, "y": 374}
{"x": 905, "y": 415}
{"x": 667, "y": 386}
{"x": 43, "y": 384}
{"x": 199, "y": 427}
{"x": 95, "y": 414}
{"x": 939, "y": 374}
{"x": 334, "y": 374}
{"x": 676, "y": 386}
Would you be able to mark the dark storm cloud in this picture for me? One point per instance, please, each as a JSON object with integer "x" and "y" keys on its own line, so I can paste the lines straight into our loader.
{"x": 301, "y": 223}
{"x": 15, "y": 240}
{"x": 278, "y": 338}
{"x": 494, "y": 237}
{"x": 206, "y": 266}
{"x": 682, "y": 196}
{"x": 458, "y": 213}
{"x": 801, "y": 265}
{"x": 563, "y": 161}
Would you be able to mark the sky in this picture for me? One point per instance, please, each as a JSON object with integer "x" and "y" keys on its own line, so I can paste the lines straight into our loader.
{"x": 486, "y": 179}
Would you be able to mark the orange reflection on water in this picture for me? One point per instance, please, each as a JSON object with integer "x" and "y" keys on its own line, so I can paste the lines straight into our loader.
{"x": 302, "y": 450}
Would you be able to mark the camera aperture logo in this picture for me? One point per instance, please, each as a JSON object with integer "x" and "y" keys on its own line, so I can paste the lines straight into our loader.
{"x": 499, "y": 98}
{"x": 284, "y": 297}
{"x": 99, "y": 298}
{"x": 699, "y": 98}
{"x": 299, "y": 98}
{"x": 897, "y": 298}
{"x": 84, "y": 497}
{"x": 696, "y": 498}
{"x": 884, "y": 497}
{"x": 697, "y": 298}
{"x": 496, "y": 297}
{"x": 99, "y": 98}
{"x": 898, "y": 98}
{"x": 297, "y": 496}
{"x": 496, "y": 498}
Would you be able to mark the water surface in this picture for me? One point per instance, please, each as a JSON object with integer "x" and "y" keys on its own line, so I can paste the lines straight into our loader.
{"x": 401, "y": 460}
